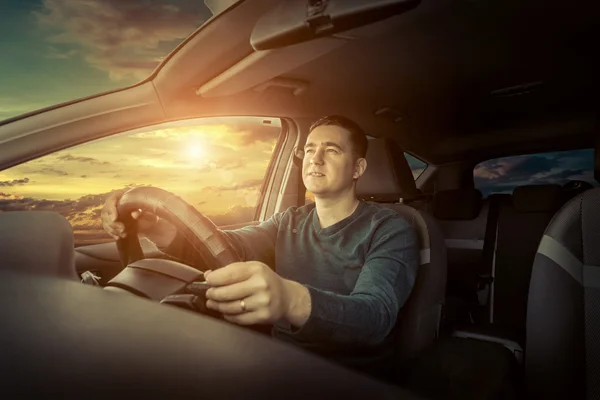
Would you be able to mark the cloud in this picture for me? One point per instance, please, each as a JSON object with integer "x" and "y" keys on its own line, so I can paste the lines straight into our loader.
{"x": 56, "y": 53}
{"x": 71, "y": 209}
{"x": 251, "y": 134}
{"x": 503, "y": 175}
{"x": 234, "y": 215}
{"x": 29, "y": 204}
{"x": 249, "y": 184}
{"x": 5, "y": 196}
{"x": 14, "y": 182}
{"x": 126, "y": 39}
{"x": 90, "y": 160}
{"x": 53, "y": 171}
{"x": 88, "y": 202}
{"x": 229, "y": 163}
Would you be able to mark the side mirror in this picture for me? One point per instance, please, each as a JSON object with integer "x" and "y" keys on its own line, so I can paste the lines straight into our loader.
{"x": 297, "y": 21}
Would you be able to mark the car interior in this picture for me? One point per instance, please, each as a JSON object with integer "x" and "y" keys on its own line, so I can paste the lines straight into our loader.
{"x": 506, "y": 298}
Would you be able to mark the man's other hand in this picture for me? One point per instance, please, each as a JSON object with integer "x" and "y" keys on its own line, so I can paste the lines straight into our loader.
{"x": 249, "y": 293}
{"x": 156, "y": 230}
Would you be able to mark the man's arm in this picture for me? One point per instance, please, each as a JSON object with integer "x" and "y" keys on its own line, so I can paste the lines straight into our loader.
{"x": 254, "y": 242}
{"x": 368, "y": 314}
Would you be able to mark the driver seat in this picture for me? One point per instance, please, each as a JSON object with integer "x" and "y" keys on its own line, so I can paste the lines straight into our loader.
{"x": 388, "y": 180}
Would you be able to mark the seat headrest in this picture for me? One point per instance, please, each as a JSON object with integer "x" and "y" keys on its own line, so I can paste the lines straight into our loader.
{"x": 388, "y": 176}
{"x": 537, "y": 198}
{"x": 457, "y": 204}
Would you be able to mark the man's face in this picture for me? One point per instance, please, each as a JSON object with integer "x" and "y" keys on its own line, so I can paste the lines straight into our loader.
{"x": 329, "y": 166}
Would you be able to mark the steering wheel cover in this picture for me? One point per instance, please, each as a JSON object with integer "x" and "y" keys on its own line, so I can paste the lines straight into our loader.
{"x": 201, "y": 233}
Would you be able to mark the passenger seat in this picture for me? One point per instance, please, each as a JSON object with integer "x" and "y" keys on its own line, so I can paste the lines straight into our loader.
{"x": 462, "y": 216}
{"x": 520, "y": 229}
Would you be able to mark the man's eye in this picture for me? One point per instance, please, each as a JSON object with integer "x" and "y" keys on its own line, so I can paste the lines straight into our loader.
{"x": 308, "y": 151}
{"x": 334, "y": 151}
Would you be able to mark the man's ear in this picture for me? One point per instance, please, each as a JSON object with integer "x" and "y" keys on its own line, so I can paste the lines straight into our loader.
{"x": 359, "y": 168}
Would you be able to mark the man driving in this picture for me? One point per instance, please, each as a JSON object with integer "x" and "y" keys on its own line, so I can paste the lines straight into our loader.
{"x": 331, "y": 276}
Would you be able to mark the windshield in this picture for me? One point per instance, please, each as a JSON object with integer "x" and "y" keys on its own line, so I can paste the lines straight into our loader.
{"x": 53, "y": 51}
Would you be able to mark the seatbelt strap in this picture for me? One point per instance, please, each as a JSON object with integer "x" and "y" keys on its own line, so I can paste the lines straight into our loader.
{"x": 490, "y": 239}
{"x": 487, "y": 271}
{"x": 493, "y": 275}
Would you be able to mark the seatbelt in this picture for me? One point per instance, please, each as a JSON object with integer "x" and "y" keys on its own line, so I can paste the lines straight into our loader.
{"x": 487, "y": 272}
{"x": 493, "y": 277}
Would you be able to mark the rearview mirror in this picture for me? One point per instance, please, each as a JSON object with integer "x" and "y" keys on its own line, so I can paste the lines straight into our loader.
{"x": 296, "y": 21}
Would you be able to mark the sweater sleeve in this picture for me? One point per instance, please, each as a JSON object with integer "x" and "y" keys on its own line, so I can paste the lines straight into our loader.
{"x": 367, "y": 315}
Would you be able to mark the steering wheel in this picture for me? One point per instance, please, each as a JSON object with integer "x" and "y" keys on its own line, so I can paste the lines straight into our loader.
{"x": 165, "y": 280}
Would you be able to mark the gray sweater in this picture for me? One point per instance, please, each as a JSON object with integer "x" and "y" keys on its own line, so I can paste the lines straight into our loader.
{"x": 359, "y": 273}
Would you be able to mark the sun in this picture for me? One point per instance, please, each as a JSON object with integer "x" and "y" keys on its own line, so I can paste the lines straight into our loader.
{"x": 194, "y": 151}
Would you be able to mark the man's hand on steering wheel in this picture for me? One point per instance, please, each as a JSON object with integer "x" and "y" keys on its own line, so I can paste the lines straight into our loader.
{"x": 149, "y": 225}
{"x": 249, "y": 293}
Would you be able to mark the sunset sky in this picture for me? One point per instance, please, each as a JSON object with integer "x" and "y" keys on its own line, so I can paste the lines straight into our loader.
{"x": 218, "y": 167}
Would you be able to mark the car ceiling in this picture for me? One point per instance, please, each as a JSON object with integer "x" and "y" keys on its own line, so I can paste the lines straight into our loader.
{"x": 463, "y": 79}
{"x": 439, "y": 71}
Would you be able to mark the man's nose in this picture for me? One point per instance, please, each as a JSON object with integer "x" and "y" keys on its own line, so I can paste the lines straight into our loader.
{"x": 317, "y": 158}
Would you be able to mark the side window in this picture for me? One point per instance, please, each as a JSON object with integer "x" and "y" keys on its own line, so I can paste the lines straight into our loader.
{"x": 416, "y": 166}
{"x": 502, "y": 175}
{"x": 215, "y": 164}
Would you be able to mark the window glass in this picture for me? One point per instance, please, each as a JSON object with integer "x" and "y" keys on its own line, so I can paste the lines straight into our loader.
{"x": 502, "y": 175}
{"x": 416, "y": 166}
{"x": 217, "y": 165}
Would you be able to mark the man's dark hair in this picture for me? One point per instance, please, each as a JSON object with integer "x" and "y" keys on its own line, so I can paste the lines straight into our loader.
{"x": 358, "y": 137}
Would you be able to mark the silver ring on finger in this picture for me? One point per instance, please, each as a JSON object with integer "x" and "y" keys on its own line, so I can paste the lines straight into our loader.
{"x": 243, "y": 305}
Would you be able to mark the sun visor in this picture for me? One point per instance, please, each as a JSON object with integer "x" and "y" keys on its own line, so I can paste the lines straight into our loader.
{"x": 298, "y": 21}
{"x": 260, "y": 67}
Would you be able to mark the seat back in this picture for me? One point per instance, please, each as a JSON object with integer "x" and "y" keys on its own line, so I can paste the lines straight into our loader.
{"x": 521, "y": 224}
{"x": 420, "y": 319}
{"x": 388, "y": 180}
{"x": 562, "y": 356}
{"x": 462, "y": 216}
{"x": 37, "y": 242}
